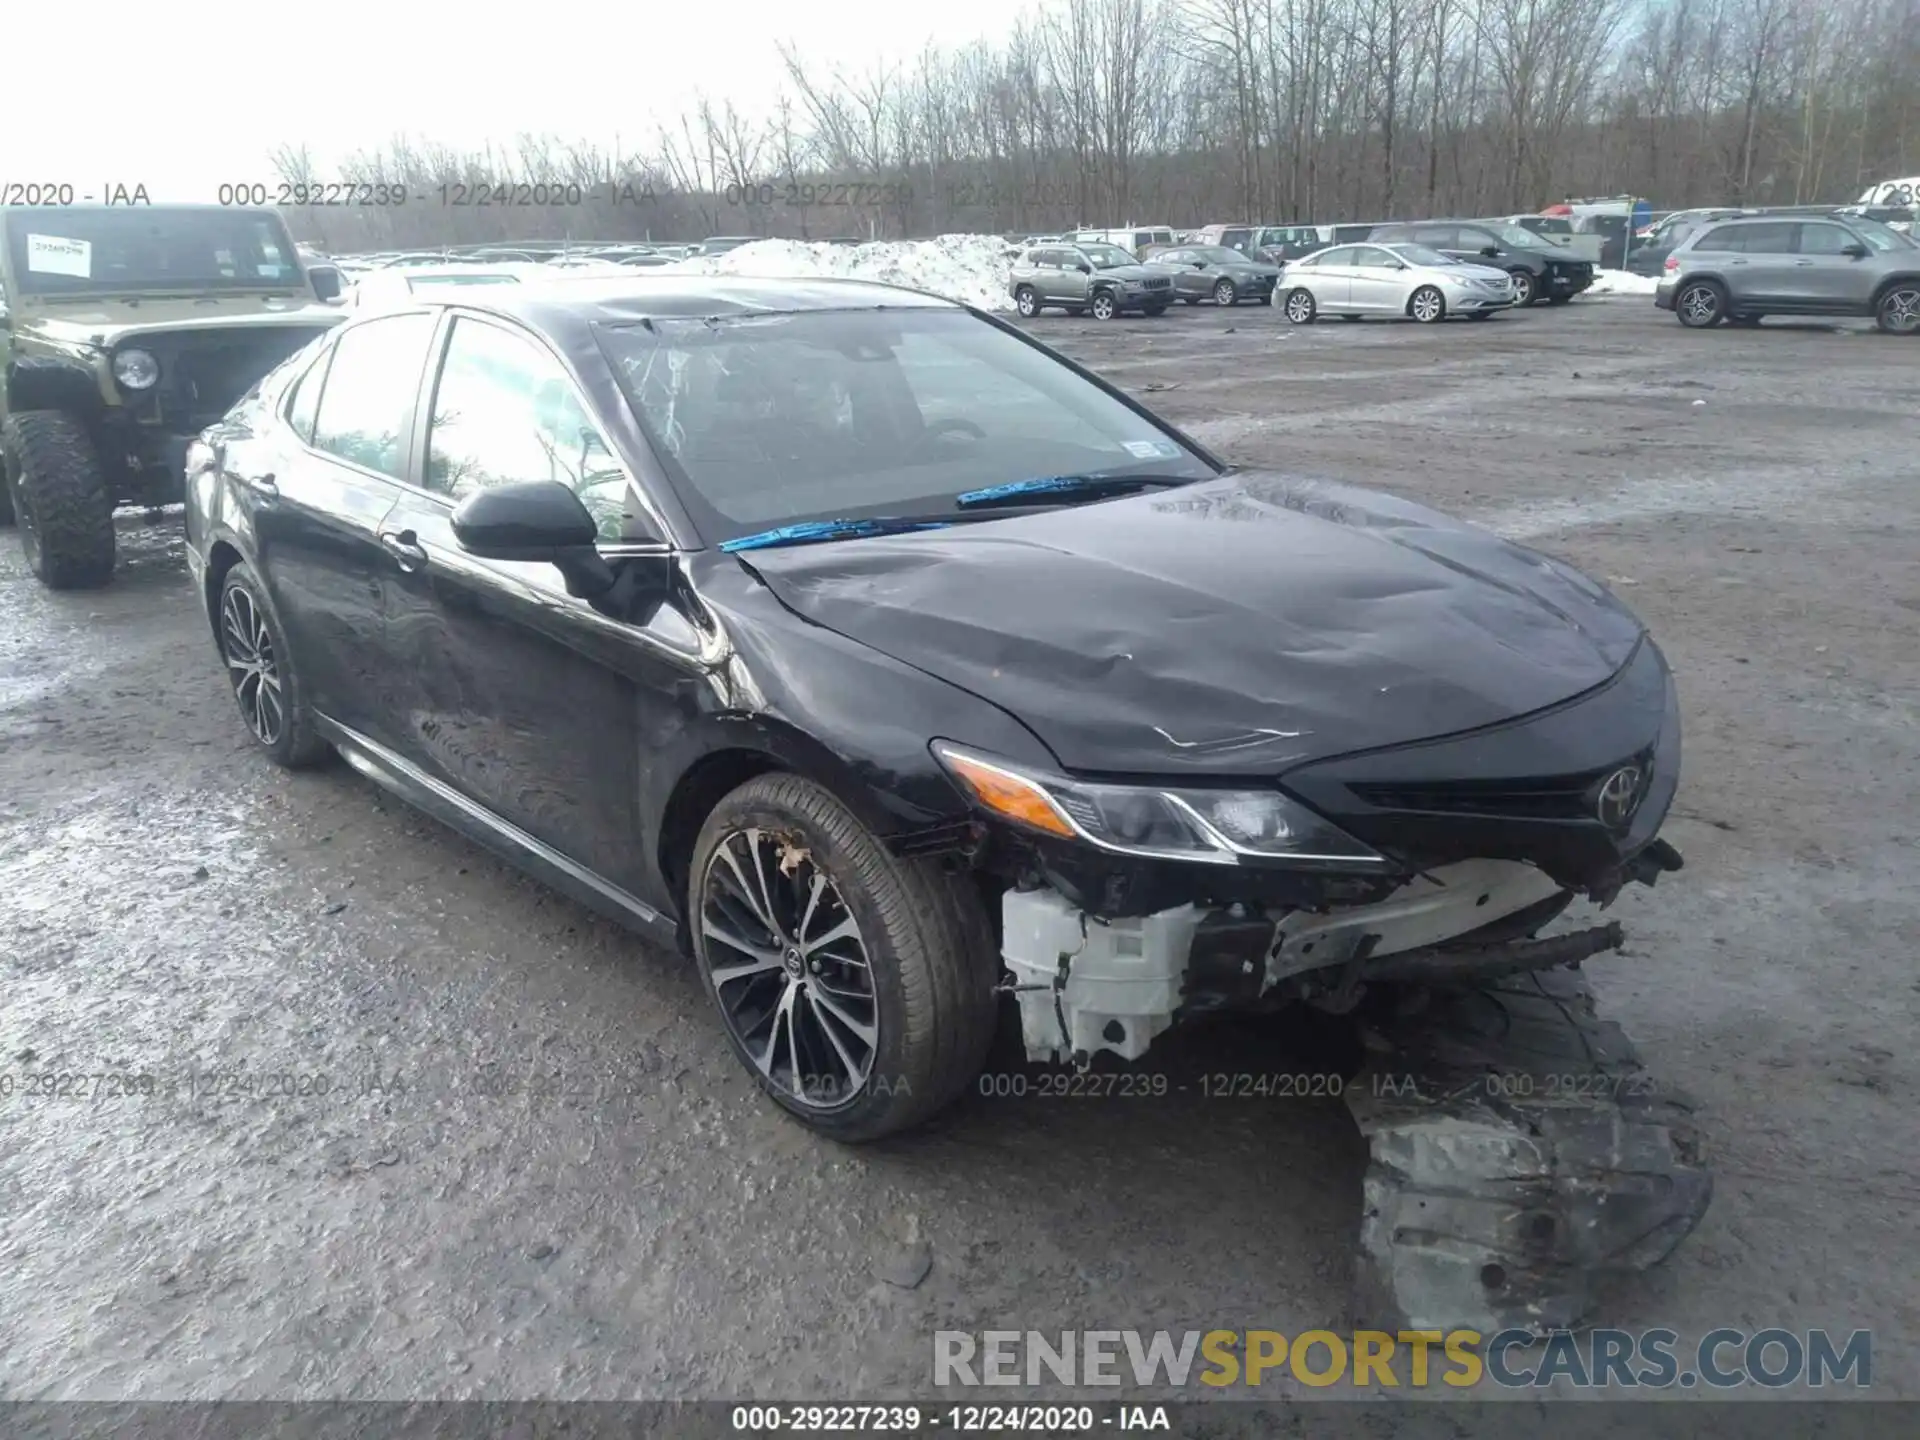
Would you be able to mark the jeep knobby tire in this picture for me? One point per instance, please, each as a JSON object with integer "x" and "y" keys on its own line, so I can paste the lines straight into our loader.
{"x": 61, "y": 499}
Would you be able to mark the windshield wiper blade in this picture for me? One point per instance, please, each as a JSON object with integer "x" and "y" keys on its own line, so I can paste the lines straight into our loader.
{"x": 1080, "y": 487}
{"x": 811, "y": 532}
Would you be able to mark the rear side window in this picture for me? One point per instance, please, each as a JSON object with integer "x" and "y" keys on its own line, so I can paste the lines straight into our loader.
{"x": 1773, "y": 239}
{"x": 304, "y": 401}
{"x": 366, "y": 405}
{"x": 1443, "y": 237}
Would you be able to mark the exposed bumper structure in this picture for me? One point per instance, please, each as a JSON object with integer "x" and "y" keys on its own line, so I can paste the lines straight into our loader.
{"x": 1518, "y": 1152}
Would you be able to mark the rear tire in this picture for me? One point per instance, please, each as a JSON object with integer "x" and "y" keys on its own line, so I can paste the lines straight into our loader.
{"x": 1027, "y": 301}
{"x": 63, "y": 503}
{"x": 266, "y": 684}
{"x": 1700, "y": 305}
{"x": 924, "y": 994}
{"x": 1897, "y": 312}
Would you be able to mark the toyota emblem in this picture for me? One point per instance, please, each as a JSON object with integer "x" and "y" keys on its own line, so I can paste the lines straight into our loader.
{"x": 1618, "y": 797}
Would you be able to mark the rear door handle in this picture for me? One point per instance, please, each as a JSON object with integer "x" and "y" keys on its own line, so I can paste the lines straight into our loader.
{"x": 405, "y": 548}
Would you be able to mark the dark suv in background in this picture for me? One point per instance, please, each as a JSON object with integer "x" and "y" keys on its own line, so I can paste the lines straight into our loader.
{"x": 1539, "y": 268}
{"x": 1743, "y": 269}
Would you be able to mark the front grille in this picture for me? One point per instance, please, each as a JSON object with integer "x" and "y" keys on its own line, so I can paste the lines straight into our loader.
{"x": 1159, "y": 284}
{"x": 1553, "y": 797}
{"x": 202, "y": 373}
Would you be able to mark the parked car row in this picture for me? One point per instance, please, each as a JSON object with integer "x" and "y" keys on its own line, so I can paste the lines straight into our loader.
{"x": 1428, "y": 270}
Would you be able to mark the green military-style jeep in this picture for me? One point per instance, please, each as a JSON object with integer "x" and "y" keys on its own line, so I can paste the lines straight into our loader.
{"x": 124, "y": 331}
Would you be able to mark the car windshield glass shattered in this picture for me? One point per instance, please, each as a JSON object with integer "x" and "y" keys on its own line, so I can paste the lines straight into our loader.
{"x": 147, "y": 249}
{"x": 773, "y": 420}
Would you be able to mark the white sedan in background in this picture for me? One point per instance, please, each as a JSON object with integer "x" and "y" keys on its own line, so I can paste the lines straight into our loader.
{"x": 1353, "y": 281}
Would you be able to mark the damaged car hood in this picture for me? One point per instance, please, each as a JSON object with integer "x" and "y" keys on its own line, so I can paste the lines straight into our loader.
{"x": 1235, "y": 626}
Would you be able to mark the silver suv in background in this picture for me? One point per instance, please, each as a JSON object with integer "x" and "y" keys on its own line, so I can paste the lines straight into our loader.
{"x": 1096, "y": 279}
{"x": 1745, "y": 269}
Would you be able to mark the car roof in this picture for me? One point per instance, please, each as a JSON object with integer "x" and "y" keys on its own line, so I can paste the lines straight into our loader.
{"x": 563, "y": 301}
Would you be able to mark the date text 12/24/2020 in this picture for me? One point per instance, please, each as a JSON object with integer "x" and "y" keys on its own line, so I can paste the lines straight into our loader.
{"x": 382, "y": 194}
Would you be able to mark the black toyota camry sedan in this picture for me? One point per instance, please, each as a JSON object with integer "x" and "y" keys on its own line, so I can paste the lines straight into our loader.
{"x": 899, "y": 671}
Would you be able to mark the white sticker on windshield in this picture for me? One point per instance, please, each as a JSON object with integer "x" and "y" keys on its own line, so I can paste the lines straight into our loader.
{"x": 1150, "y": 449}
{"x": 57, "y": 255}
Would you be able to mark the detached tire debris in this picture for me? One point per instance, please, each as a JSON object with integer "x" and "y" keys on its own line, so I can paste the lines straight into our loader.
{"x": 1519, "y": 1152}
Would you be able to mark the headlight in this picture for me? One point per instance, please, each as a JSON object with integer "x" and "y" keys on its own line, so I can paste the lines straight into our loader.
{"x": 136, "y": 370}
{"x": 1169, "y": 823}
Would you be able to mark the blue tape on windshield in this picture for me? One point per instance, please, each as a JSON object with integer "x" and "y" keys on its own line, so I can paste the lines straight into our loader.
{"x": 824, "y": 530}
{"x": 1022, "y": 487}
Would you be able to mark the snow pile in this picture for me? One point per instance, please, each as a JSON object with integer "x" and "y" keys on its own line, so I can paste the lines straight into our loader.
{"x": 972, "y": 269}
{"x": 1622, "y": 282}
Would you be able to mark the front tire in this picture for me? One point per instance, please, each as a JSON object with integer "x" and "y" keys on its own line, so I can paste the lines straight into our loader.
{"x": 1523, "y": 288}
{"x": 62, "y": 500}
{"x": 1226, "y": 293}
{"x": 1301, "y": 307}
{"x": 1700, "y": 305}
{"x": 1427, "y": 305}
{"x": 856, "y": 986}
{"x": 1027, "y": 302}
{"x": 266, "y": 685}
{"x": 1898, "y": 311}
{"x": 1559, "y": 300}
{"x": 1103, "y": 306}
{"x": 1157, "y": 309}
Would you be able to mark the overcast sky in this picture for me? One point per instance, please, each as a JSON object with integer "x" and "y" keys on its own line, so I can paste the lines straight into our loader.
{"x": 184, "y": 96}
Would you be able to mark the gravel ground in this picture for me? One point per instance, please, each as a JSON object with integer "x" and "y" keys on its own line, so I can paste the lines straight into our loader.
{"x": 491, "y": 1146}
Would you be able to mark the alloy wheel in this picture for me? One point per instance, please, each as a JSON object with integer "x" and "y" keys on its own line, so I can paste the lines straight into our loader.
{"x": 1427, "y": 305}
{"x": 1522, "y": 287}
{"x": 252, "y": 665}
{"x": 790, "y": 968}
{"x": 1224, "y": 293}
{"x": 1699, "y": 305}
{"x": 1025, "y": 300}
{"x": 1299, "y": 307}
{"x": 1103, "y": 307}
{"x": 1900, "y": 311}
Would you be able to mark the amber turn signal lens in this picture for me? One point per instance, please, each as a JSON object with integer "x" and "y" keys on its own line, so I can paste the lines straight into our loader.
{"x": 1010, "y": 795}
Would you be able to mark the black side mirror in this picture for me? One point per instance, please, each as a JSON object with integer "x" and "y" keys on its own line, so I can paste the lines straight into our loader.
{"x": 1857, "y": 251}
{"x": 1084, "y": 268}
{"x": 541, "y": 520}
{"x": 1492, "y": 252}
{"x": 326, "y": 281}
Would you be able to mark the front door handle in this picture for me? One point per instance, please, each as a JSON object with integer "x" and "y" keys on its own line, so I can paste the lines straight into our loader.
{"x": 265, "y": 486}
{"x": 405, "y": 548}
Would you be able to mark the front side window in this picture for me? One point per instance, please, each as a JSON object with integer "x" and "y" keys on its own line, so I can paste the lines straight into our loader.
{"x": 1106, "y": 257}
{"x": 770, "y": 420}
{"x": 1825, "y": 240}
{"x": 506, "y": 412}
{"x": 1372, "y": 257}
{"x": 366, "y": 404}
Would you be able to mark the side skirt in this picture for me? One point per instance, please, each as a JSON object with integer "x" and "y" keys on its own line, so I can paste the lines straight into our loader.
{"x": 459, "y": 812}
